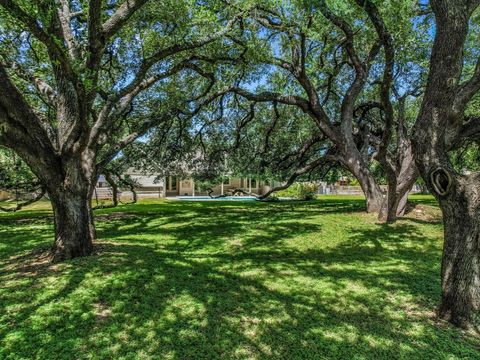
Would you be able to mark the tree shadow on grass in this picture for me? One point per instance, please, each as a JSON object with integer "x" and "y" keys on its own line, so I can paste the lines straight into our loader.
{"x": 185, "y": 295}
{"x": 16, "y": 238}
{"x": 190, "y": 305}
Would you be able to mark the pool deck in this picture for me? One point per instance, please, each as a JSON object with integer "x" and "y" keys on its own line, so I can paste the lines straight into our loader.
{"x": 207, "y": 198}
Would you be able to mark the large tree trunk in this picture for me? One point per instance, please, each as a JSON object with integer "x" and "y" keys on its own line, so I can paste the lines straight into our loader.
{"x": 73, "y": 215}
{"x": 395, "y": 203}
{"x": 401, "y": 207}
{"x": 461, "y": 255}
{"x": 399, "y": 186}
{"x": 388, "y": 212}
{"x": 439, "y": 121}
{"x": 74, "y": 227}
{"x": 374, "y": 195}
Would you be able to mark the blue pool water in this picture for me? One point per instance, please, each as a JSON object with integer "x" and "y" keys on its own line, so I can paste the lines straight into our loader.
{"x": 207, "y": 198}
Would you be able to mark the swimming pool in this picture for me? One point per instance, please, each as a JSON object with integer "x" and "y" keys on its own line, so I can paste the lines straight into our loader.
{"x": 208, "y": 198}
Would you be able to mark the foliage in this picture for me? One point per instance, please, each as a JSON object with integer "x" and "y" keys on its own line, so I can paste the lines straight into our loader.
{"x": 192, "y": 280}
{"x": 300, "y": 191}
{"x": 466, "y": 158}
{"x": 353, "y": 182}
{"x": 110, "y": 84}
{"x": 15, "y": 175}
{"x": 264, "y": 141}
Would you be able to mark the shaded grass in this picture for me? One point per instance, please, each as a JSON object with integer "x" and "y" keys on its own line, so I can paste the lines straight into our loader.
{"x": 204, "y": 280}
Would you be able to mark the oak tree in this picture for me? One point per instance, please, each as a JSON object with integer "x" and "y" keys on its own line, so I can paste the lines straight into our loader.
{"x": 453, "y": 81}
{"x": 80, "y": 80}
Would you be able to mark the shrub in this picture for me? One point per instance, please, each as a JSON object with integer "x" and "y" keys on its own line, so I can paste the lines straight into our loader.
{"x": 300, "y": 191}
{"x": 307, "y": 191}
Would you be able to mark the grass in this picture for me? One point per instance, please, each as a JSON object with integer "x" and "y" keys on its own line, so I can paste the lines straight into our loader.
{"x": 229, "y": 280}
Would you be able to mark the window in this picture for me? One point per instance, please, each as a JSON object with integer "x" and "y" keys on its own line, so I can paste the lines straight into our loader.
{"x": 253, "y": 183}
{"x": 242, "y": 182}
{"x": 171, "y": 183}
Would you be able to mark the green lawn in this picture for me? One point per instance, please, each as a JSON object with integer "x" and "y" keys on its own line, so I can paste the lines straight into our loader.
{"x": 228, "y": 280}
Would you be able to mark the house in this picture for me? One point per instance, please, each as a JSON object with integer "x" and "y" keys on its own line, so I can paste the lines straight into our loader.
{"x": 186, "y": 187}
{"x": 147, "y": 186}
{"x": 151, "y": 185}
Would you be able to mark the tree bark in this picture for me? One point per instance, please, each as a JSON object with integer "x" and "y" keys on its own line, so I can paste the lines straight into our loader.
{"x": 402, "y": 203}
{"x": 399, "y": 186}
{"x": 74, "y": 227}
{"x": 439, "y": 120}
{"x": 461, "y": 255}
{"x": 395, "y": 203}
{"x": 71, "y": 199}
{"x": 374, "y": 195}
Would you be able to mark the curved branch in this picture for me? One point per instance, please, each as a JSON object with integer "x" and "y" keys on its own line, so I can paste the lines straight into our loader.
{"x": 65, "y": 16}
{"x": 164, "y": 53}
{"x": 121, "y": 16}
{"x": 34, "y": 26}
{"x": 468, "y": 89}
{"x": 21, "y": 205}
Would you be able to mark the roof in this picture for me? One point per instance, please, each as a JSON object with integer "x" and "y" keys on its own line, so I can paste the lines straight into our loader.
{"x": 147, "y": 181}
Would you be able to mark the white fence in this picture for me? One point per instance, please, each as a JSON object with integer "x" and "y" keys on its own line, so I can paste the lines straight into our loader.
{"x": 105, "y": 193}
{"x": 352, "y": 190}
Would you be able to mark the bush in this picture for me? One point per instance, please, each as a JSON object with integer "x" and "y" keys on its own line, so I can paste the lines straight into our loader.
{"x": 300, "y": 191}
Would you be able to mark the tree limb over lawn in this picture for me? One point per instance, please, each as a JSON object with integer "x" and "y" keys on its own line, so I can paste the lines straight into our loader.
{"x": 98, "y": 87}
